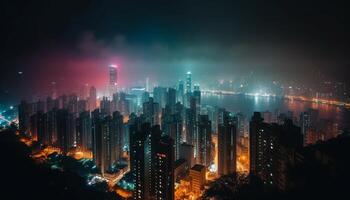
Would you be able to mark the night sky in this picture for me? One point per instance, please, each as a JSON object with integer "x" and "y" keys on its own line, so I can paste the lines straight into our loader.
{"x": 71, "y": 42}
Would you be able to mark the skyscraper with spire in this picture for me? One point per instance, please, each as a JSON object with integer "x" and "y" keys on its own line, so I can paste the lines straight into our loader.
{"x": 113, "y": 79}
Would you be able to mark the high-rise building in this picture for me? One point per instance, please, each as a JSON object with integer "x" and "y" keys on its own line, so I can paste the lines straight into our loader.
{"x": 118, "y": 135}
{"x": 73, "y": 103}
{"x": 138, "y": 161}
{"x": 24, "y": 113}
{"x": 259, "y": 151}
{"x": 39, "y": 121}
{"x": 84, "y": 131}
{"x": 188, "y": 82}
{"x": 108, "y": 145}
{"x": 197, "y": 94}
{"x": 151, "y": 112}
{"x": 63, "y": 102}
{"x": 105, "y": 106}
{"x": 272, "y": 150}
{"x": 63, "y": 131}
{"x": 203, "y": 141}
{"x": 172, "y": 126}
{"x": 82, "y": 105}
{"x": 72, "y": 137}
{"x": 197, "y": 174}
{"x": 105, "y": 147}
{"x": 227, "y": 137}
{"x": 305, "y": 124}
{"x": 239, "y": 122}
{"x": 180, "y": 92}
{"x": 151, "y": 162}
{"x": 123, "y": 104}
{"x": 163, "y": 163}
{"x": 113, "y": 79}
{"x": 50, "y": 103}
{"x": 84, "y": 92}
{"x": 52, "y": 126}
{"x": 186, "y": 153}
{"x": 171, "y": 98}
{"x": 308, "y": 123}
{"x": 96, "y": 132}
{"x": 190, "y": 126}
{"x": 160, "y": 96}
{"x": 92, "y": 98}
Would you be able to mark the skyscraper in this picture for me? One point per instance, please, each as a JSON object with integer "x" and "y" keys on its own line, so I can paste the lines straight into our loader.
{"x": 190, "y": 126}
{"x": 257, "y": 130}
{"x": 151, "y": 112}
{"x": 197, "y": 94}
{"x": 160, "y": 96}
{"x": 96, "y": 137}
{"x": 118, "y": 135}
{"x": 188, "y": 82}
{"x": 172, "y": 126}
{"x": 203, "y": 141}
{"x": 40, "y": 120}
{"x": 113, "y": 79}
{"x": 92, "y": 98}
{"x": 140, "y": 173}
{"x": 163, "y": 176}
{"x": 105, "y": 106}
{"x": 24, "y": 113}
{"x": 305, "y": 124}
{"x": 84, "y": 131}
{"x": 186, "y": 153}
{"x": 107, "y": 144}
{"x": 180, "y": 92}
{"x": 104, "y": 142}
{"x": 227, "y": 145}
{"x": 63, "y": 137}
{"x": 52, "y": 126}
{"x": 272, "y": 150}
{"x": 171, "y": 98}
{"x": 151, "y": 161}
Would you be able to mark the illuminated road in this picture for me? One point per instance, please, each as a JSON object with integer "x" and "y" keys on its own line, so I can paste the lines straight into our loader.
{"x": 226, "y": 92}
{"x": 6, "y": 120}
{"x": 121, "y": 175}
{"x": 289, "y": 97}
{"x": 316, "y": 100}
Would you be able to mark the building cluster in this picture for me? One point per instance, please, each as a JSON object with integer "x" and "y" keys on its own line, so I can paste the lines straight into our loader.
{"x": 167, "y": 137}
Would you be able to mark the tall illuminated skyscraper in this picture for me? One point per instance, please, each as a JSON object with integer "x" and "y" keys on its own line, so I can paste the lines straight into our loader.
{"x": 113, "y": 79}
{"x": 188, "y": 82}
{"x": 202, "y": 141}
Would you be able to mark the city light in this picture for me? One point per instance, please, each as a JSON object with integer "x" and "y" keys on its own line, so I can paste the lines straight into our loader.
{"x": 174, "y": 101}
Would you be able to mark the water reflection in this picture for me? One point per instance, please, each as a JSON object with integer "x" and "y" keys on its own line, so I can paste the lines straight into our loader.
{"x": 248, "y": 104}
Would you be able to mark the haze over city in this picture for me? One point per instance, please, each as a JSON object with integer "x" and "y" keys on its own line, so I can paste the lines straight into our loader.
{"x": 174, "y": 100}
{"x": 280, "y": 41}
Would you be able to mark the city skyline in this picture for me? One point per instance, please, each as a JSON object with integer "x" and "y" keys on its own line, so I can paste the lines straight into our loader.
{"x": 174, "y": 100}
{"x": 227, "y": 40}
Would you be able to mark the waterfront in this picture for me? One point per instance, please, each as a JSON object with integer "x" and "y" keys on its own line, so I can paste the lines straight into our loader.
{"x": 247, "y": 104}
